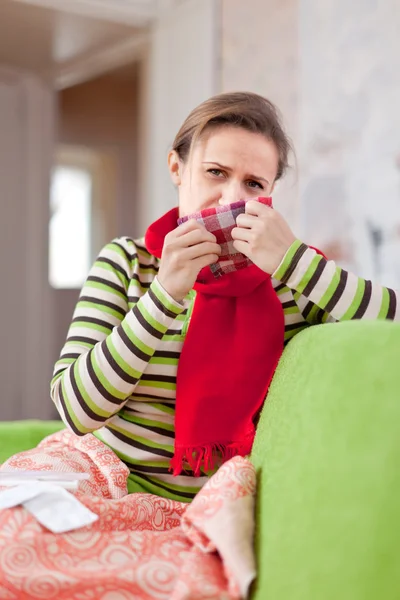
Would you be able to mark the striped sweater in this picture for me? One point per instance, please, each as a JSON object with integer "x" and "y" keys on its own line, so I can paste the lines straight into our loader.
{"x": 116, "y": 376}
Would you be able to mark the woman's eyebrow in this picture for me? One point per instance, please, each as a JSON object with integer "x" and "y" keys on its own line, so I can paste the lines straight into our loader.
{"x": 212, "y": 162}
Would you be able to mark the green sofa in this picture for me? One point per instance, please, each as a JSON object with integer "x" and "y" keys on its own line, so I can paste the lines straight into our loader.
{"x": 327, "y": 454}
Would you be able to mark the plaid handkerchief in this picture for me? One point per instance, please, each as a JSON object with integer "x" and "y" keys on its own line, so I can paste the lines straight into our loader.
{"x": 220, "y": 221}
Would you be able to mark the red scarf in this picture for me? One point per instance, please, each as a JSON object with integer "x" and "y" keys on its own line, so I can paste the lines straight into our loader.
{"x": 229, "y": 357}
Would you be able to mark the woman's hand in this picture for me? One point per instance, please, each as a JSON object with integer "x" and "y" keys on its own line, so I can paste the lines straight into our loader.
{"x": 187, "y": 250}
{"x": 262, "y": 235}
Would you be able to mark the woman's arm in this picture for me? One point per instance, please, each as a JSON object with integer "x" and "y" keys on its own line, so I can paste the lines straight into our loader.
{"x": 109, "y": 345}
{"x": 325, "y": 292}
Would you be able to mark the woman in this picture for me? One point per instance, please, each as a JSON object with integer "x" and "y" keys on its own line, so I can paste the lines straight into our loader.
{"x": 151, "y": 304}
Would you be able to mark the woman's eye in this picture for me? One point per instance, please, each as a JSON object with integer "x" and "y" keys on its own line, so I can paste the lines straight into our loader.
{"x": 216, "y": 172}
{"x": 255, "y": 184}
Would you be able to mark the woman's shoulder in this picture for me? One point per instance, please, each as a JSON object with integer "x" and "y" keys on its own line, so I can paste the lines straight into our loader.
{"x": 131, "y": 255}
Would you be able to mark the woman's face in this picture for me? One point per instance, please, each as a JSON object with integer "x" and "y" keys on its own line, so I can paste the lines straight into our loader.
{"x": 227, "y": 164}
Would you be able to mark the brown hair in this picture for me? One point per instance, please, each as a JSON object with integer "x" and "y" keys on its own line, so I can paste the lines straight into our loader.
{"x": 239, "y": 109}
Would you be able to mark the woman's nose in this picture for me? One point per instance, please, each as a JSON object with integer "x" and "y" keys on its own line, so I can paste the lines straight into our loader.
{"x": 230, "y": 195}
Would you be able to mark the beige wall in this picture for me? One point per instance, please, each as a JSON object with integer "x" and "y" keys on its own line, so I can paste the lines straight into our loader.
{"x": 259, "y": 53}
{"x": 331, "y": 67}
{"x": 26, "y": 126}
{"x": 101, "y": 115}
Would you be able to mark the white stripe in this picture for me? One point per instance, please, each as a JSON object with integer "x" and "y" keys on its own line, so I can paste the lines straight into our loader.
{"x": 301, "y": 269}
{"x": 375, "y": 303}
{"x": 347, "y": 297}
{"x": 144, "y": 411}
{"x": 131, "y": 452}
{"x": 134, "y": 430}
{"x": 162, "y": 393}
{"x": 96, "y": 313}
{"x": 323, "y": 282}
{"x": 182, "y": 480}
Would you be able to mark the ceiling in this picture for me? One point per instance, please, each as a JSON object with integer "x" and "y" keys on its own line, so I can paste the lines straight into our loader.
{"x": 44, "y": 40}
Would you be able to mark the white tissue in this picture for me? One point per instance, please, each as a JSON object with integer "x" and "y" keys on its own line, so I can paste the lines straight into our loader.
{"x": 54, "y": 507}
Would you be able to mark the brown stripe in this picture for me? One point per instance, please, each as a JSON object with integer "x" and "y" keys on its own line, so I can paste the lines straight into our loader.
{"x": 158, "y": 399}
{"x": 295, "y": 261}
{"x": 131, "y": 346}
{"x": 337, "y": 294}
{"x": 364, "y": 301}
{"x": 73, "y": 355}
{"x": 98, "y": 385}
{"x": 160, "y": 305}
{"x": 152, "y": 330}
{"x": 289, "y": 304}
{"x": 116, "y": 367}
{"x": 66, "y": 413}
{"x": 391, "y": 313}
{"x": 319, "y": 315}
{"x": 114, "y": 265}
{"x": 280, "y": 287}
{"x": 158, "y": 378}
{"x": 93, "y": 300}
{"x": 308, "y": 308}
{"x": 293, "y": 326}
{"x": 165, "y": 487}
{"x": 79, "y": 338}
{"x": 135, "y": 444}
{"x": 107, "y": 283}
{"x": 315, "y": 277}
{"x": 129, "y": 257}
{"x": 155, "y": 428}
{"x": 94, "y": 321}
{"x": 166, "y": 354}
{"x": 88, "y": 411}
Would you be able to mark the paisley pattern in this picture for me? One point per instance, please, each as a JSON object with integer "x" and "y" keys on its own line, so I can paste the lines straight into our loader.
{"x": 141, "y": 547}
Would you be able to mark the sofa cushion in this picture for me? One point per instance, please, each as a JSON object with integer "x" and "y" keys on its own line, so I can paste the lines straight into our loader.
{"x": 327, "y": 453}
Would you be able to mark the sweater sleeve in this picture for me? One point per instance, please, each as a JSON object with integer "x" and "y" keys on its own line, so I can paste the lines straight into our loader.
{"x": 326, "y": 292}
{"x": 109, "y": 345}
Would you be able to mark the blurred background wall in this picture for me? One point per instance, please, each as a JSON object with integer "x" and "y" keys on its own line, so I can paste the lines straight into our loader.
{"x": 91, "y": 96}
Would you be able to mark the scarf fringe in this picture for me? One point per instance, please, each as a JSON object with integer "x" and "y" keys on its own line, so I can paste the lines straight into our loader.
{"x": 205, "y": 458}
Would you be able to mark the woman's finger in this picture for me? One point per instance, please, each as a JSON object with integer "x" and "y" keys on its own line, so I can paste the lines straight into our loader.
{"x": 241, "y": 233}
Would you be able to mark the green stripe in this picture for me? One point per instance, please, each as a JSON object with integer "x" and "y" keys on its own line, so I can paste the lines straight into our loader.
{"x": 163, "y": 407}
{"x": 106, "y": 288}
{"x": 147, "y": 442}
{"x": 159, "y": 293}
{"x": 94, "y": 326}
{"x": 309, "y": 273}
{"x": 351, "y": 311}
{"x": 120, "y": 361}
{"x": 106, "y": 267}
{"x": 118, "y": 250}
{"x": 150, "y": 319}
{"x": 385, "y": 304}
{"x": 128, "y": 459}
{"x": 332, "y": 287}
{"x": 105, "y": 382}
{"x": 284, "y": 290}
{"x": 161, "y": 360}
{"x": 177, "y": 488}
{"x": 153, "y": 488}
{"x": 311, "y": 317}
{"x": 158, "y": 384}
{"x": 146, "y": 422}
{"x": 287, "y": 260}
{"x": 99, "y": 307}
{"x": 71, "y": 413}
{"x": 78, "y": 343}
{"x": 291, "y": 310}
{"x": 292, "y": 332}
{"x": 135, "y": 340}
{"x": 87, "y": 399}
